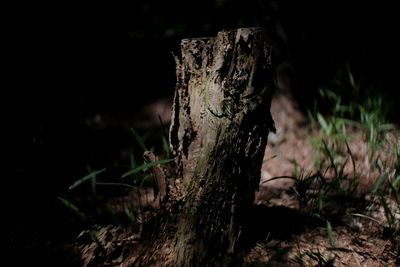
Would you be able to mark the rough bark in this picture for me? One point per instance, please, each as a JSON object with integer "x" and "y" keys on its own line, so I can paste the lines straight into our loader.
{"x": 220, "y": 124}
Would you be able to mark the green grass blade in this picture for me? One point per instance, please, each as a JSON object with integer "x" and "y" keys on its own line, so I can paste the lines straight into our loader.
{"x": 325, "y": 127}
{"x": 117, "y": 184}
{"x": 130, "y": 214}
{"x": 139, "y": 139}
{"x": 166, "y": 147}
{"x": 395, "y": 193}
{"x": 311, "y": 117}
{"x": 371, "y": 133}
{"x": 90, "y": 176}
{"x": 280, "y": 177}
{"x": 386, "y": 127}
{"x": 379, "y": 183}
{"x": 132, "y": 161}
{"x": 146, "y": 166}
{"x": 331, "y": 158}
{"x": 353, "y": 163}
{"x": 396, "y": 182}
{"x": 331, "y": 238}
{"x": 72, "y": 207}
{"x": 388, "y": 212}
{"x": 268, "y": 159}
{"x": 144, "y": 179}
{"x": 296, "y": 168}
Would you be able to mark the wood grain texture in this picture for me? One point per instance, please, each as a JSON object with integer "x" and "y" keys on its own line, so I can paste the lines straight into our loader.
{"x": 220, "y": 124}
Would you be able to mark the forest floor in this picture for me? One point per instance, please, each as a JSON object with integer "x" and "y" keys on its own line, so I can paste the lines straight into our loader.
{"x": 358, "y": 224}
{"x": 299, "y": 220}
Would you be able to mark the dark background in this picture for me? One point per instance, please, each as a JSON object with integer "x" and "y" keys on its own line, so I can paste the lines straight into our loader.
{"x": 109, "y": 58}
{"x": 64, "y": 64}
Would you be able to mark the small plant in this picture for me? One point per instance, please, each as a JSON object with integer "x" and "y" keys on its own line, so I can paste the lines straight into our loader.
{"x": 73, "y": 207}
{"x": 312, "y": 191}
{"x": 146, "y": 166}
{"x": 134, "y": 176}
{"x": 387, "y": 190}
{"x": 331, "y": 238}
{"x": 366, "y": 113}
{"x": 92, "y": 177}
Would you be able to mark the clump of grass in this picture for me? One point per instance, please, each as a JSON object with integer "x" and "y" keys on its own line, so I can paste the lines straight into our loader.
{"x": 315, "y": 192}
{"x": 387, "y": 191}
{"x": 366, "y": 114}
{"x": 341, "y": 174}
{"x": 134, "y": 177}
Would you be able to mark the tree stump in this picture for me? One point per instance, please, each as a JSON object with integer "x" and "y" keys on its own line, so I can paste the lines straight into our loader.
{"x": 220, "y": 124}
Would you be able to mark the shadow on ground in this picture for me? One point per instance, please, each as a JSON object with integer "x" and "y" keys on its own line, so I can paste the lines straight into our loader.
{"x": 277, "y": 222}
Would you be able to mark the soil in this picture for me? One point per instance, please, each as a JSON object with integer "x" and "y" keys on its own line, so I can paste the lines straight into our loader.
{"x": 284, "y": 232}
{"x": 359, "y": 241}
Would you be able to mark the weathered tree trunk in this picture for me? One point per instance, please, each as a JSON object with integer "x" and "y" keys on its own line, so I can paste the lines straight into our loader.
{"x": 219, "y": 130}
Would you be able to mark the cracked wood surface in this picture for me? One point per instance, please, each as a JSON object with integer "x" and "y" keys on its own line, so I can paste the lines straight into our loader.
{"x": 219, "y": 128}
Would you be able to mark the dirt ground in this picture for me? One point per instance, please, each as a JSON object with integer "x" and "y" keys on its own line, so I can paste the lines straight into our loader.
{"x": 284, "y": 233}
{"x": 358, "y": 240}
